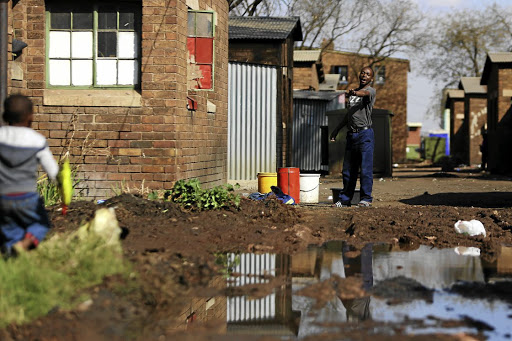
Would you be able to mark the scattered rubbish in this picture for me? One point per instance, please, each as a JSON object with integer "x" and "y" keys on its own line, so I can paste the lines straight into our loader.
{"x": 100, "y": 201}
{"x": 329, "y": 197}
{"x": 381, "y": 179}
{"x": 277, "y": 192}
{"x": 472, "y": 228}
{"x": 467, "y": 251}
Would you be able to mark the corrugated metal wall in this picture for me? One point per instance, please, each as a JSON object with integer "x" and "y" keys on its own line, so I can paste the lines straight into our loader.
{"x": 251, "y": 120}
{"x": 308, "y": 117}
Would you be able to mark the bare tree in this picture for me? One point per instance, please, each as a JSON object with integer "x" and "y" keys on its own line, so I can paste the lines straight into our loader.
{"x": 503, "y": 17}
{"x": 252, "y": 7}
{"x": 323, "y": 22}
{"x": 460, "y": 42}
{"x": 391, "y": 28}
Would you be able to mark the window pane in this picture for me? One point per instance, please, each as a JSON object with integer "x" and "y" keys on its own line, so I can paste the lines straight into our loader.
{"x": 61, "y": 21}
{"x": 81, "y": 72}
{"x": 127, "y": 45}
{"x": 59, "y": 44}
{"x": 126, "y": 20}
{"x": 81, "y": 43}
{"x": 107, "y": 44}
{"x": 107, "y": 19}
{"x": 204, "y": 26}
{"x": 82, "y": 21}
{"x": 59, "y": 72}
{"x": 106, "y": 72}
{"x": 128, "y": 72}
{"x": 191, "y": 24}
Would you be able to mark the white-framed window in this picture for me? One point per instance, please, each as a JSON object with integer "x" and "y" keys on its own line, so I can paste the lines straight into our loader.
{"x": 93, "y": 45}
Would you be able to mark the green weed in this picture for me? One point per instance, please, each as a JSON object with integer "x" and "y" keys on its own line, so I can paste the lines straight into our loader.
{"x": 53, "y": 274}
{"x": 188, "y": 193}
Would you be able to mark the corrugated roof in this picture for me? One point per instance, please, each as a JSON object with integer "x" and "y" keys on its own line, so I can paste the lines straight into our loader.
{"x": 278, "y": 28}
{"x": 500, "y": 57}
{"x": 471, "y": 85}
{"x": 330, "y": 83}
{"x": 454, "y": 93}
{"x": 306, "y": 55}
{"x": 316, "y": 95}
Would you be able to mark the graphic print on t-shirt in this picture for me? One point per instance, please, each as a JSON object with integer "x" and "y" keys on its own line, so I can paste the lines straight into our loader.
{"x": 354, "y": 101}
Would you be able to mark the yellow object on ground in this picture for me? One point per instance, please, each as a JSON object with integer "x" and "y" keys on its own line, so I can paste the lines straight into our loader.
{"x": 265, "y": 181}
{"x": 65, "y": 184}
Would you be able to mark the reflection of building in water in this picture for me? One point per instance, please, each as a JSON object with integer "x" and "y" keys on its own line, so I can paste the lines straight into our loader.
{"x": 433, "y": 268}
{"x": 204, "y": 308}
{"x": 271, "y": 315}
{"x": 499, "y": 268}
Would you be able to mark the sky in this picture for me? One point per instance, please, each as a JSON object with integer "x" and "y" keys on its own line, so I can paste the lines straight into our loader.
{"x": 421, "y": 89}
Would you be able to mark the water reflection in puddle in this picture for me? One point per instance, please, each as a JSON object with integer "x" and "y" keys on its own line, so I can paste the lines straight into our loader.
{"x": 284, "y": 313}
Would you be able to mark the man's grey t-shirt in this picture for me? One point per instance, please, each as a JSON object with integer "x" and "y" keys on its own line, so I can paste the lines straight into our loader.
{"x": 360, "y": 109}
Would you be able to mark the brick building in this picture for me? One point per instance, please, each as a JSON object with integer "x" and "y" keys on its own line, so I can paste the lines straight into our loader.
{"x": 135, "y": 90}
{"x": 455, "y": 103}
{"x": 497, "y": 76}
{"x": 475, "y": 114}
{"x": 270, "y": 41}
{"x": 390, "y": 83}
{"x": 308, "y": 72}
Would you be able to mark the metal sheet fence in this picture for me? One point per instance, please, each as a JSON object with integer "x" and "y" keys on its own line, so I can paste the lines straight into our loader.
{"x": 308, "y": 118}
{"x": 252, "y": 94}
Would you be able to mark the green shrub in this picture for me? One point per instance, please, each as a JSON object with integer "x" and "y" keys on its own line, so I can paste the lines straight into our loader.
{"x": 53, "y": 275}
{"x": 188, "y": 193}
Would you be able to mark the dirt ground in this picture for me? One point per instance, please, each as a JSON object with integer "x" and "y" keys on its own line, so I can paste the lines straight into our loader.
{"x": 174, "y": 252}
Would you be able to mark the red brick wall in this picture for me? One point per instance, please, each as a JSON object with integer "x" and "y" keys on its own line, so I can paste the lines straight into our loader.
{"x": 477, "y": 119}
{"x": 392, "y": 95}
{"x": 457, "y": 139}
{"x": 414, "y": 136}
{"x": 305, "y": 76}
{"x": 152, "y": 145}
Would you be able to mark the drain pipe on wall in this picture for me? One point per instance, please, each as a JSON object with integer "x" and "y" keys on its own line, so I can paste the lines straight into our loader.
{"x": 3, "y": 52}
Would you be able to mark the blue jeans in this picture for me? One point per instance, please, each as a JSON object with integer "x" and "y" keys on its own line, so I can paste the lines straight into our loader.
{"x": 358, "y": 155}
{"x": 20, "y": 215}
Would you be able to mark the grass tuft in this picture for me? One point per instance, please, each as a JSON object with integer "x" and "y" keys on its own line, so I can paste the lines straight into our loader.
{"x": 53, "y": 275}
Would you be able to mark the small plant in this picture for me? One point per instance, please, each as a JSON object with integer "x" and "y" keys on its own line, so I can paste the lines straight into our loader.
{"x": 228, "y": 263}
{"x": 189, "y": 194}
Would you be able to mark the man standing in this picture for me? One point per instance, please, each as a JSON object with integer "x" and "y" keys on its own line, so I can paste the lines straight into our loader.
{"x": 360, "y": 141}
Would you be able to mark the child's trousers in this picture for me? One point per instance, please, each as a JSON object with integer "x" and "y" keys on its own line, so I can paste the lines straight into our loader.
{"x": 21, "y": 215}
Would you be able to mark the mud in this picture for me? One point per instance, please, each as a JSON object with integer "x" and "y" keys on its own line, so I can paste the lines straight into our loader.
{"x": 174, "y": 253}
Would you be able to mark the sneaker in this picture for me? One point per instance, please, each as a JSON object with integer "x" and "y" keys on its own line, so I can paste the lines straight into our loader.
{"x": 364, "y": 203}
{"x": 339, "y": 204}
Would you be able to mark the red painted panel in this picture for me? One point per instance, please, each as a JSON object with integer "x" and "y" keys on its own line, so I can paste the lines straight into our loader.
{"x": 191, "y": 45}
{"x": 206, "y": 81}
{"x": 204, "y": 50}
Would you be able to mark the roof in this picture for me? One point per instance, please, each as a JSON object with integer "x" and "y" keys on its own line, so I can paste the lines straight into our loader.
{"x": 454, "y": 93}
{"x": 274, "y": 28}
{"x": 471, "y": 85}
{"x": 306, "y": 55}
{"x": 330, "y": 83}
{"x": 316, "y": 95}
{"x": 494, "y": 58}
{"x": 399, "y": 60}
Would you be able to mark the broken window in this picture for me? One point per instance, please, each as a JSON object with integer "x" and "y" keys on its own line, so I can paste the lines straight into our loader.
{"x": 94, "y": 45}
{"x": 341, "y": 70}
{"x": 200, "y": 49}
{"x": 381, "y": 75}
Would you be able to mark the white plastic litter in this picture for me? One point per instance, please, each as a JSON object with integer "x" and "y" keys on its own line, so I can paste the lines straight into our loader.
{"x": 467, "y": 251}
{"x": 472, "y": 228}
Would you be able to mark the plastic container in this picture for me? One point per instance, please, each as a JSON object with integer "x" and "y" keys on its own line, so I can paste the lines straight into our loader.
{"x": 288, "y": 179}
{"x": 336, "y": 195}
{"x": 309, "y": 188}
{"x": 265, "y": 180}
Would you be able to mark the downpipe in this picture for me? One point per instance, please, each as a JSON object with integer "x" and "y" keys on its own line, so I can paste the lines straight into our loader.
{"x": 3, "y": 52}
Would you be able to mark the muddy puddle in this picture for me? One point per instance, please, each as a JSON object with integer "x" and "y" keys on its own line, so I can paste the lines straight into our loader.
{"x": 380, "y": 289}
